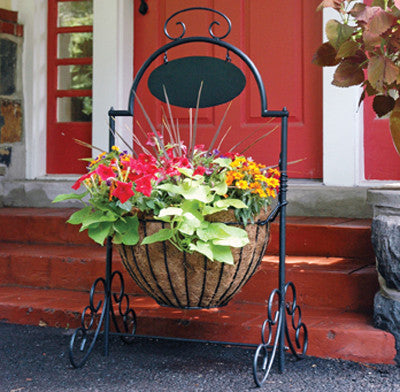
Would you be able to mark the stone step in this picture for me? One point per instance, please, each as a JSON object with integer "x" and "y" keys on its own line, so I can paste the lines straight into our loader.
{"x": 305, "y": 236}
{"x": 334, "y": 282}
{"x": 332, "y": 334}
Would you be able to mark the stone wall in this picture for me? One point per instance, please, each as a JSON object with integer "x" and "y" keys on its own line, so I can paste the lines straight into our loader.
{"x": 12, "y": 149}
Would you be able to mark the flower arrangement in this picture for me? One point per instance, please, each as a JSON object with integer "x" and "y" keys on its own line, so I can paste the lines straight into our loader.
{"x": 179, "y": 185}
{"x": 365, "y": 44}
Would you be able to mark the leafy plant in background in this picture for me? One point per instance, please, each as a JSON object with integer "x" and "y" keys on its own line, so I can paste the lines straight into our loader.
{"x": 365, "y": 46}
{"x": 179, "y": 185}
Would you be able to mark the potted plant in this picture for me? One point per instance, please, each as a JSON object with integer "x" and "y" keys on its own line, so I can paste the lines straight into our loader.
{"x": 189, "y": 221}
{"x": 365, "y": 46}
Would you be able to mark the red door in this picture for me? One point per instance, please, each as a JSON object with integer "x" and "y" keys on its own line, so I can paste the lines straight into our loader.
{"x": 381, "y": 160}
{"x": 280, "y": 39}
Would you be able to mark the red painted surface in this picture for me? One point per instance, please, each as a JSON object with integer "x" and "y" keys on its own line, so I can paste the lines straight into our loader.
{"x": 63, "y": 153}
{"x": 280, "y": 43}
{"x": 47, "y": 268}
{"x": 381, "y": 161}
{"x": 342, "y": 237}
{"x": 331, "y": 334}
{"x": 9, "y": 16}
{"x": 380, "y": 157}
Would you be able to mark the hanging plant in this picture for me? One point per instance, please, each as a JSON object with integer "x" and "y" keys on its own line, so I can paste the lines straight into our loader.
{"x": 365, "y": 46}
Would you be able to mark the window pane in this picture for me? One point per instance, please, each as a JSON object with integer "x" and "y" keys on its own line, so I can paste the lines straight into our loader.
{"x": 77, "y": 77}
{"x": 75, "y": 13}
{"x": 74, "y": 109}
{"x": 75, "y": 45}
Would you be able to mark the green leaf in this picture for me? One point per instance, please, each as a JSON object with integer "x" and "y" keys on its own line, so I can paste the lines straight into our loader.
{"x": 189, "y": 224}
{"x": 127, "y": 206}
{"x": 196, "y": 191}
{"x": 220, "y": 188}
{"x": 170, "y": 188}
{"x": 203, "y": 248}
{"x": 209, "y": 210}
{"x": 126, "y": 230}
{"x": 222, "y": 254}
{"x": 70, "y": 196}
{"x": 223, "y": 162}
{"x": 161, "y": 235}
{"x": 347, "y": 49}
{"x": 80, "y": 216}
{"x": 338, "y": 33}
{"x": 186, "y": 171}
{"x": 174, "y": 211}
{"x": 226, "y": 203}
{"x": 100, "y": 232}
{"x": 234, "y": 236}
{"x": 98, "y": 217}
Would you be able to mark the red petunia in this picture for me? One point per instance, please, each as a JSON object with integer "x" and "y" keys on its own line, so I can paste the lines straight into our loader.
{"x": 143, "y": 185}
{"x": 200, "y": 170}
{"x": 105, "y": 172}
{"x": 123, "y": 191}
{"x": 80, "y": 180}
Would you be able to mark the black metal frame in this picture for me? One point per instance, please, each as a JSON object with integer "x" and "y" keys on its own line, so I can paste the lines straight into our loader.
{"x": 275, "y": 328}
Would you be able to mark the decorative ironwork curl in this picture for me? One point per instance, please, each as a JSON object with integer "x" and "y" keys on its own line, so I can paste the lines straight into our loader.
{"x": 266, "y": 351}
{"x": 299, "y": 327}
{"x": 83, "y": 340}
{"x": 210, "y": 29}
{"x": 261, "y": 370}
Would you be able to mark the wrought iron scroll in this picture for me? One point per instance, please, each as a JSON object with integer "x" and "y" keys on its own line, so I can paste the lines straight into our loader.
{"x": 273, "y": 328}
{"x": 96, "y": 317}
{"x": 210, "y": 28}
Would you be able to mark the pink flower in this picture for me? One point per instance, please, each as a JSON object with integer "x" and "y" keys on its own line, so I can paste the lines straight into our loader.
{"x": 123, "y": 191}
{"x": 105, "y": 172}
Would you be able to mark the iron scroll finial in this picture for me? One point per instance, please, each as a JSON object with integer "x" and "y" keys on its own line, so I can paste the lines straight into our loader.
{"x": 210, "y": 29}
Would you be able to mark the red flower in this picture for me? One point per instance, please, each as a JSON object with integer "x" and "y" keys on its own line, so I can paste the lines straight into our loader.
{"x": 80, "y": 180}
{"x": 199, "y": 170}
{"x": 143, "y": 185}
{"x": 123, "y": 191}
{"x": 105, "y": 172}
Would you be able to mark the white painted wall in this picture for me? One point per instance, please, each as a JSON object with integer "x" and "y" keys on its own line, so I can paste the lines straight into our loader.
{"x": 112, "y": 65}
{"x": 33, "y": 15}
{"x": 342, "y": 128}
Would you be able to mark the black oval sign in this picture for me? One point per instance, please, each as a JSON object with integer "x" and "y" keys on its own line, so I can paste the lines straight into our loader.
{"x": 222, "y": 81}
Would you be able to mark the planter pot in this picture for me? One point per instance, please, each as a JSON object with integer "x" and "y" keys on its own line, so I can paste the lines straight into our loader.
{"x": 191, "y": 281}
{"x": 386, "y": 242}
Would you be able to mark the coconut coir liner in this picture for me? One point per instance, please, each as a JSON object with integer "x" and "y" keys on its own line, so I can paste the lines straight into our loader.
{"x": 184, "y": 280}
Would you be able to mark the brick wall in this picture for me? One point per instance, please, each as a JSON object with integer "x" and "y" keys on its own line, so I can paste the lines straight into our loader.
{"x": 11, "y": 128}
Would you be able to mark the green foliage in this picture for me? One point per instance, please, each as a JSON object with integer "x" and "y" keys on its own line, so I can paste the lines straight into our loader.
{"x": 366, "y": 38}
{"x": 189, "y": 230}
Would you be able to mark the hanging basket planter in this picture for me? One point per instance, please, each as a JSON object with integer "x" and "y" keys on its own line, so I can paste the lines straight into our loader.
{"x": 190, "y": 281}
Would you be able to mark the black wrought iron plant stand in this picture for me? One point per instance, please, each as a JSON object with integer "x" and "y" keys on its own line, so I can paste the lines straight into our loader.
{"x": 282, "y": 304}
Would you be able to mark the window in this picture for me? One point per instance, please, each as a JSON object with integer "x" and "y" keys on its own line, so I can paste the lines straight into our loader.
{"x": 69, "y": 84}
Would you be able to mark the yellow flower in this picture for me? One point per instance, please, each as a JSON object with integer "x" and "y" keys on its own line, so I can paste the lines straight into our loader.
{"x": 115, "y": 148}
{"x": 238, "y": 161}
{"x": 273, "y": 172}
{"x": 241, "y": 184}
{"x": 260, "y": 177}
{"x": 272, "y": 182}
